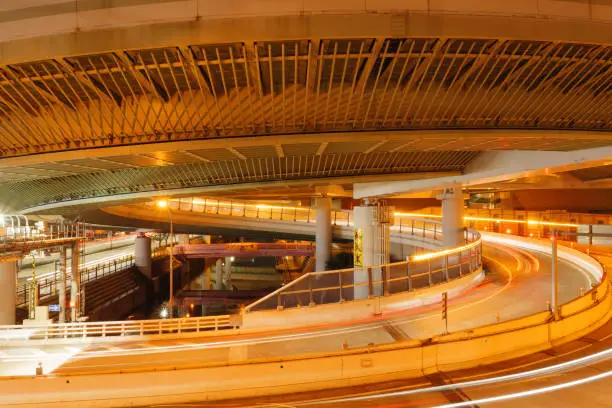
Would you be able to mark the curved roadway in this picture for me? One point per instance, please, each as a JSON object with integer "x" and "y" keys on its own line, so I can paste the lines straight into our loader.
{"x": 517, "y": 284}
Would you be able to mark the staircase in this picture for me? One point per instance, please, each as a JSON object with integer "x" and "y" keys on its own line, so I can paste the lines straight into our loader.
{"x": 101, "y": 293}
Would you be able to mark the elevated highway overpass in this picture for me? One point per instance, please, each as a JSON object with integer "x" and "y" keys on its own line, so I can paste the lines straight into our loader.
{"x": 107, "y": 105}
{"x": 121, "y": 101}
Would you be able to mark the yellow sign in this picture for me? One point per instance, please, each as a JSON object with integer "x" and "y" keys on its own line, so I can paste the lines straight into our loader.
{"x": 358, "y": 247}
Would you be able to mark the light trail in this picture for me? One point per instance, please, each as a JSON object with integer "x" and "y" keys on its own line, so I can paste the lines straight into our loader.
{"x": 529, "y": 393}
{"x": 553, "y": 369}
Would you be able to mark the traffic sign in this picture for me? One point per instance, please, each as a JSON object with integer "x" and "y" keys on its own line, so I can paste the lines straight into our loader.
{"x": 54, "y": 308}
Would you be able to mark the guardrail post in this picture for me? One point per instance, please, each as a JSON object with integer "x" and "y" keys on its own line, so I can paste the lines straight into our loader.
{"x": 446, "y": 267}
{"x": 408, "y": 274}
{"x": 386, "y": 280}
{"x": 370, "y": 283}
{"x": 460, "y": 263}
{"x": 435, "y": 231}
{"x": 429, "y": 270}
{"x": 279, "y": 303}
{"x": 310, "y": 294}
{"x": 340, "y": 298}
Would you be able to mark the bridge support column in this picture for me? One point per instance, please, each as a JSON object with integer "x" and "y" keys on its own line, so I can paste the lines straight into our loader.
{"x": 61, "y": 284}
{"x": 219, "y": 275}
{"x": 8, "y": 282}
{"x": 452, "y": 216}
{"x": 75, "y": 290}
{"x": 323, "y": 230}
{"x": 227, "y": 273}
{"x": 372, "y": 244}
{"x": 142, "y": 254}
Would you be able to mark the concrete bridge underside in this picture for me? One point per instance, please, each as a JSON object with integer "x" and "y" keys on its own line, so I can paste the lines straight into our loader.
{"x": 128, "y": 107}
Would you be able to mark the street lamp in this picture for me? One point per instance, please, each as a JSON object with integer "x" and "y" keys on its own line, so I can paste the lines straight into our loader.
{"x": 164, "y": 204}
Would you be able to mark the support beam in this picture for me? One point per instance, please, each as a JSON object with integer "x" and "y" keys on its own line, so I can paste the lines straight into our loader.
{"x": 323, "y": 234}
{"x": 321, "y": 148}
{"x": 452, "y": 216}
{"x": 227, "y": 272}
{"x": 8, "y": 283}
{"x": 313, "y": 62}
{"x": 61, "y": 284}
{"x": 492, "y": 167}
{"x": 370, "y": 63}
{"x": 254, "y": 72}
{"x": 237, "y": 153}
{"x": 89, "y": 82}
{"x": 279, "y": 151}
{"x": 142, "y": 252}
{"x": 150, "y": 86}
{"x": 372, "y": 246}
{"x": 219, "y": 275}
{"x": 75, "y": 290}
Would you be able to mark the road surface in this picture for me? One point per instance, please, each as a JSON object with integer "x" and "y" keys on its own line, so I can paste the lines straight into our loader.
{"x": 517, "y": 284}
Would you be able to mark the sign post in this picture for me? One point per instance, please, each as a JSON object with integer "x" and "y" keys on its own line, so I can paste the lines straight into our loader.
{"x": 445, "y": 311}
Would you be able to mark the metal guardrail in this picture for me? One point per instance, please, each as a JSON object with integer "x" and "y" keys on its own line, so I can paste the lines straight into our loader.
{"x": 118, "y": 328}
{"x": 47, "y": 286}
{"x": 424, "y": 227}
{"x": 25, "y": 234}
{"x": 424, "y": 270}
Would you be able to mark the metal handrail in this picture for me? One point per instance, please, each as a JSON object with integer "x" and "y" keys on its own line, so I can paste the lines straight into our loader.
{"x": 48, "y": 285}
{"x": 408, "y": 272}
{"x": 428, "y": 228}
{"x": 120, "y": 328}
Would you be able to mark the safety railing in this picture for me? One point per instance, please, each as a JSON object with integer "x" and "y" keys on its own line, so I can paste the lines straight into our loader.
{"x": 48, "y": 285}
{"x": 418, "y": 227}
{"x": 119, "y": 328}
{"x": 27, "y": 234}
{"x": 424, "y": 270}
{"x": 215, "y": 206}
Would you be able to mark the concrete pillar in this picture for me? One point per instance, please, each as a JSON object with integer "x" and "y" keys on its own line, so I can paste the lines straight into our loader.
{"x": 142, "y": 252}
{"x": 75, "y": 290}
{"x": 219, "y": 275}
{"x": 323, "y": 232}
{"x": 227, "y": 273}
{"x": 61, "y": 284}
{"x": 183, "y": 239}
{"x": 452, "y": 216}
{"x": 206, "y": 277}
{"x": 372, "y": 245}
{"x": 8, "y": 290}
